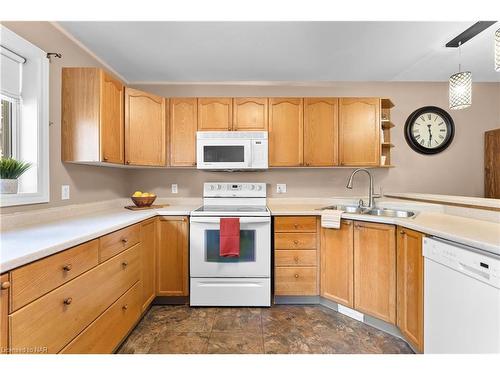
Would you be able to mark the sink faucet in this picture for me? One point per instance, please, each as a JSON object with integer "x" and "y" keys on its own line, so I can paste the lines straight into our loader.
{"x": 371, "y": 196}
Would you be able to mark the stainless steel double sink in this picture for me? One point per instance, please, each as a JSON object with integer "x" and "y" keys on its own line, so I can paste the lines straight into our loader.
{"x": 372, "y": 212}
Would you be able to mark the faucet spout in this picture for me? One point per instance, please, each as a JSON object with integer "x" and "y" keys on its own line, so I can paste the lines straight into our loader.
{"x": 371, "y": 197}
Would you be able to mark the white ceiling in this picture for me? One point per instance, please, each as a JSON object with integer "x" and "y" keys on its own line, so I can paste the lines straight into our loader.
{"x": 286, "y": 51}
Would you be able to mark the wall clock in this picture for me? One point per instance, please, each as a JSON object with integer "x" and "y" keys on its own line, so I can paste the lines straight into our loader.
{"x": 429, "y": 130}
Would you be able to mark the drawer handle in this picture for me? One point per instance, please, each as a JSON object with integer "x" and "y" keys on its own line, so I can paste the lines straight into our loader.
{"x": 67, "y": 301}
{"x": 296, "y": 275}
{"x": 5, "y": 285}
{"x": 296, "y": 259}
{"x": 124, "y": 240}
{"x": 296, "y": 242}
{"x": 295, "y": 226}
{"x": 67, "y": 267}
{"x": 124, "y": 264}
{"x": 125, "y": 307}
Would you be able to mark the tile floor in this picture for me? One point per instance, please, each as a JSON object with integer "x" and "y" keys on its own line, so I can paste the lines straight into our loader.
{"x": 279, "y": 329}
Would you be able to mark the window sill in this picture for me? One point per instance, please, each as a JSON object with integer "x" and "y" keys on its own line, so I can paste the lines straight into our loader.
{"x": 9, "y": 200}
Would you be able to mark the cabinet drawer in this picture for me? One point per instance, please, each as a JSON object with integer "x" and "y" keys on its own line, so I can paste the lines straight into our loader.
{"x": 295, "y": 224}
{"x": 284, "y": 241}
{"x": 114, "y": 243}
{"x": 295, "y": 258}
{"x": 295, "y": 281}
{"x": 53, "y": 320}
{"x": 38, "y": 278}
{"x": 107, "y": 331}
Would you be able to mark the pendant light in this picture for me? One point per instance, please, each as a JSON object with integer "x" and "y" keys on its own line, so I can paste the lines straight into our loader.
{"x": 497, "y": 50}
{"x": 460, "y": 86}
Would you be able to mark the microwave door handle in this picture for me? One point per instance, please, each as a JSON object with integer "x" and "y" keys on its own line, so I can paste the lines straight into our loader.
{"x": 243, "y": 220}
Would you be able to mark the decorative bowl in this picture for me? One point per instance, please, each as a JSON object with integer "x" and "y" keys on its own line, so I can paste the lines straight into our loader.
{"x": 143, "y": 201}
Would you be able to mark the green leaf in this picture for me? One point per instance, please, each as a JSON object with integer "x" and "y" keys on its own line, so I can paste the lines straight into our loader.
{"x": 12, "y": 169}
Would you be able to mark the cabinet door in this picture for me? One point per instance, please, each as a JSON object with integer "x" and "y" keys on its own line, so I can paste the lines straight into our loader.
{"x": 215, "y": 114}
{"x": 375, "y": 270}
{"x": 111, "y": 119}
{"x": 145, "y": 129}
{"x": 320, "y": 132}
{"x": 183, "y": 125}
{"x": 250, "y": 114}
{"x": 172, "y": 256}
{"x": 359, "y": 131}
{"x": 337, "y": 264}
{"x": 148, "y": 256}
{"x": 4, "y": 311}
{"x": 285, "y": 132}
{"x": 410, "y": 289}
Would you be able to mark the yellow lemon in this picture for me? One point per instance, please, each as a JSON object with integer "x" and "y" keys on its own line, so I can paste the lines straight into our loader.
{"x": 145, "y": 194}
{"x": 137, "y": 194}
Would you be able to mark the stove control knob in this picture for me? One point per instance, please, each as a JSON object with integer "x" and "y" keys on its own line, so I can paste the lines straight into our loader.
{"x": 252, "y": 187}
{"x": 259, "y": 187}
{"x": 219, "y": 186}
{"x": 211, "y": 187}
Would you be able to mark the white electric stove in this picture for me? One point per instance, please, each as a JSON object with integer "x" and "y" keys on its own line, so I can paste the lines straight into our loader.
{"x": 240, "y": 281}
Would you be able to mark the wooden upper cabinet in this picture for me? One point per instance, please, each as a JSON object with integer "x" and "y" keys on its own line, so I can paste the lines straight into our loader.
{"x": 145, "y": 129}
{"x": 375, "y": 270}
{"x": 172, "y": 256}
{"x": 285, "y": 132}
{"x": 320, "y": 132}
{"x": 250, "y": 113}
{"x": 91, "y": 116}
{"x": 337, "y": 280}
{"x": 112, "y": 119}
{"x": 215, "y": 114}
{"x": 4, "y": 311}
{"x": 410, "y": 286}
{"x": 183, "y": 125}
{"x": 359, "y": 131}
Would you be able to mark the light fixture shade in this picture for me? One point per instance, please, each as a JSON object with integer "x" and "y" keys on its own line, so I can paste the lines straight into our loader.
{"x": 497, "y": 50}
{"x": 460, "y": 90}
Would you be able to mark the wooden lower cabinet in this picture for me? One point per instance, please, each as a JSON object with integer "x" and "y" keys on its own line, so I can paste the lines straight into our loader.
{"x": 375, "y": 270}
{"x": 172, "y": 256}
{"x": 337, "y": 267}
{"x": 148, "y": 262}
{"x": 52, "y": 321}
{"x": 4, "y": 312}
{"x": 410, "y": 286}
{"x": 105, "y": 334}
{"x": 296, "y": 281}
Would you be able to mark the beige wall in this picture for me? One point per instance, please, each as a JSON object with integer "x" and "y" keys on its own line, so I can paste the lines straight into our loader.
{"x": 87, "y": 183}
{"x": 458, "y": 170}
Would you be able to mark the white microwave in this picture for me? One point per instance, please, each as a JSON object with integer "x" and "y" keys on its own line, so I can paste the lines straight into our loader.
{"x": 231, "y": 150}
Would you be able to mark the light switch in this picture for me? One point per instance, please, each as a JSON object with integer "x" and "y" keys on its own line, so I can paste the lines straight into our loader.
{"x": 281, "y": 188}
{"x": 174, "y": 188}
{"x": 64, "y": 192}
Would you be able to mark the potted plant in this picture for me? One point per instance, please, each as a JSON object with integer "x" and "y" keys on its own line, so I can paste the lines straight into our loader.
{"x": 10, "y": 171}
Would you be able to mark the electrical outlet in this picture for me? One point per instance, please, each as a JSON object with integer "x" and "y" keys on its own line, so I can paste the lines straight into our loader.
{"x": 281, "y": 188}
{"x": 64, "y": 192}
{"x": 174, "y": 188}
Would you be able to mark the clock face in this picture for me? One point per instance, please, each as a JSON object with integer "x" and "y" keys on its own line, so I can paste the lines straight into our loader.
{"x": 429, "y": 130}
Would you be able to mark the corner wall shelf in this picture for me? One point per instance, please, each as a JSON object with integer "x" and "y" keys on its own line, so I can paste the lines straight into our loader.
{"x": 386, "y": 125}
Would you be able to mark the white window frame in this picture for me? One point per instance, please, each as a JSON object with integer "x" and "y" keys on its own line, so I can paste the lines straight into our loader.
{"x": 39, "y": 73}
{"x": 14, "y": 116}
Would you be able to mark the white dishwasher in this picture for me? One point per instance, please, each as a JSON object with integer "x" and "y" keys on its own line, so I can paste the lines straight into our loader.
{"x": 461, "y": 299}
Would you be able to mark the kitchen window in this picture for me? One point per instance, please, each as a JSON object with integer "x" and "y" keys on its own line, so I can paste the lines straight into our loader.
{"x": 24, "y": 132}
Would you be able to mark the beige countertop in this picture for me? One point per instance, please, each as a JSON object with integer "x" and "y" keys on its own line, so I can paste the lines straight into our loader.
{"x": 46, "y": 232}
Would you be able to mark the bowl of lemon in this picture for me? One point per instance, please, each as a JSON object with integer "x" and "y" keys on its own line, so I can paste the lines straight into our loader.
{"x": 141, "y": 199}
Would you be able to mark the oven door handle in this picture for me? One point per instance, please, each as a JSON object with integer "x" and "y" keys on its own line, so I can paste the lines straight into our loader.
{"x": 243, "y": 220}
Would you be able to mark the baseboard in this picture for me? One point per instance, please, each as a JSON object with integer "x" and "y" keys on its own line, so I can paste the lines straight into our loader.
{"x": 162, "y": 300}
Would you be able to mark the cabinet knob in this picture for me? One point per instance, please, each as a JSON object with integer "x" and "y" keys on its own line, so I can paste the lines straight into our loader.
{"x": 127, "y": 162}
{"x": 67, "y": 301}
{"x": 296, "y": 275}
{"x": 124, "y": 264}
{"x": 347, "y": 222}
{"x": 104, "y": 158}
{"x": 402, "y": 232}
{"x": 5, "y": 285}
{"x": 124, "y": 240}
{"x": 295, "y": 226}
{"x": 296, "y": 259}
{"x": 125, "y": 307}
{"x": 67, "y": 267}
{"x": 296, "y": 242}
{"x": 194, "y": 164}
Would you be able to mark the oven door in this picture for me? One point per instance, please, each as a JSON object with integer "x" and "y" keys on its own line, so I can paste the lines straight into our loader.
{"x": 255, "y": 249}
{"x": 223, "y": 153}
